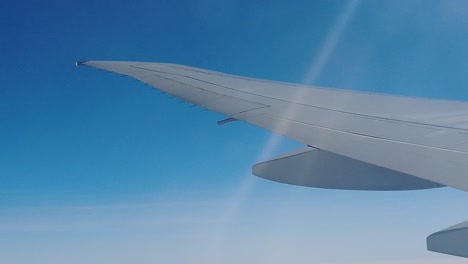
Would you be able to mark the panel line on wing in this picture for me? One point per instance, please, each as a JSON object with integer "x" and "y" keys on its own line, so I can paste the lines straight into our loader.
{"x": 220, "y": 95}
{"x": 364, "y": 135}
{"x": 296, "y": 85}
{"x": 298, "y": 103}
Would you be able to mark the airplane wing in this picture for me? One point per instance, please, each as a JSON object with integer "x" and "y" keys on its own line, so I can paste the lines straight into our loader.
{"x": 423, "y": 138}
{"x": 357, "y": 140}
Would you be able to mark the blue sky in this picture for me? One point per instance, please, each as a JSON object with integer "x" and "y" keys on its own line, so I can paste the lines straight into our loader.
{"x": 98, "y": 168}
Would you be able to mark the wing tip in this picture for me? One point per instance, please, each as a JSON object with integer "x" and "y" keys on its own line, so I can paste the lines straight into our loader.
{"x": 80, "y": 63}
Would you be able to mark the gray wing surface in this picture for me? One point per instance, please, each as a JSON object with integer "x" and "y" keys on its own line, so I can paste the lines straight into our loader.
{"x": 423, "y": 139}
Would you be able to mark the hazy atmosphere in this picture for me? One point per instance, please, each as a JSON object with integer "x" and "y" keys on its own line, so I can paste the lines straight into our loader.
{"x": 99, "y": 168}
